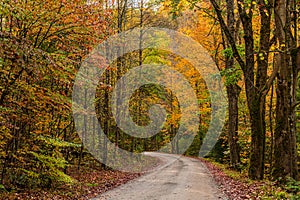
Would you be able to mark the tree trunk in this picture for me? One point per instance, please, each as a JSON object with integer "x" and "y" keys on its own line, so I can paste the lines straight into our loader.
{"x": 254, "y": 102}
{"x": 285, "y": 152}
{"x": 233, "y": 94}
{"x": 233, "y": 91}
{"x": 256, "y": 168}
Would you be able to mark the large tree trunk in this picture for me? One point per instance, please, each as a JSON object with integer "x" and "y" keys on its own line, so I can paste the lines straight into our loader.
{"x": 285, "y": 151}
{"x": 257, "y": 112}
{"x": 256, "y": 168}
{"x": 233, "y": 91}
{"x": 233, "y": 95}
{"x": 254, "y": 101}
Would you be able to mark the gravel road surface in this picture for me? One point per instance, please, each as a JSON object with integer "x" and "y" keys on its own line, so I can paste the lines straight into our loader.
{"x": 177, "y": 178}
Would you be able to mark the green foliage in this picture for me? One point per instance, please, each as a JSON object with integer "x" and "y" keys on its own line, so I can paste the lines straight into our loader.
{"x": 57, "y": 142}
{"x": 194, "y": 148}
{"x": 281, "y": 195}
{"x": 232, "y": 75}
{"x": 92, "y": 184}
{"x": 282, "y": 191}
{"x": 2, "y": 188}
{"x": 220, "y": 151}
{"x": 227, "y": 53}
{"x": 293, "y": 187}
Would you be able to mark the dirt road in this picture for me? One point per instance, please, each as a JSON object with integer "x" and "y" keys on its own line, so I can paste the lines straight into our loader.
{"x": 177, "y": 178}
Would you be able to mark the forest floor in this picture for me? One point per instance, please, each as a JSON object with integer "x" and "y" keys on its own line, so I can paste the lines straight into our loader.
{"x": 237, "y": 185}
{"x": 234, "y": 186}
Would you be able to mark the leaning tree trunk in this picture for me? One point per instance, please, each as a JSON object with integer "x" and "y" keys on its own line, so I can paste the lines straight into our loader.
{"x": 285, "y": 151}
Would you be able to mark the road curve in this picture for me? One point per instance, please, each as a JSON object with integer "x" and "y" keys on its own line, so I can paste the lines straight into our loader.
{"x": 177, "y": 178}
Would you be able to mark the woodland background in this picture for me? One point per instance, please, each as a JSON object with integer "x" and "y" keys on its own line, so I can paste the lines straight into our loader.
{"x": 254, "y": 43}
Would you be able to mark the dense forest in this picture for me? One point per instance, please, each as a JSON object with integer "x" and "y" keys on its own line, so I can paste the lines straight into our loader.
{"x": 253, "y": 43}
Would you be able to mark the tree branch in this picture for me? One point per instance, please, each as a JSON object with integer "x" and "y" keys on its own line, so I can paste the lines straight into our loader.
{"x": 229, "y": 36}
